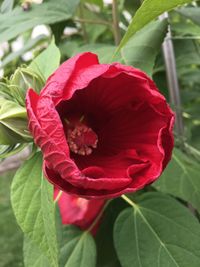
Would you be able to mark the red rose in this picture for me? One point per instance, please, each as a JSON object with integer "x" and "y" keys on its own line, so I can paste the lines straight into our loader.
{"x": 79, "y": 211}
{"x": 104, "y": 129}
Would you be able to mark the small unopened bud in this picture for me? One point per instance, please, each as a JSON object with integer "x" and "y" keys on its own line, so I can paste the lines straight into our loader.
{"x": 13, "y": 123}
{"x": 21, "y": 81}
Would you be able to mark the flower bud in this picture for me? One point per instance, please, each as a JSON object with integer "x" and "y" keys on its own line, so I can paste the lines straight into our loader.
{"x": 22, "y": 80}
{"x": 13, "y": 123}
{"x": 5, "y": 92}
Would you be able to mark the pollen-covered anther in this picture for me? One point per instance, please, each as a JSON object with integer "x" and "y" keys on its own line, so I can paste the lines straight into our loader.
{"x": 82, "y": 139}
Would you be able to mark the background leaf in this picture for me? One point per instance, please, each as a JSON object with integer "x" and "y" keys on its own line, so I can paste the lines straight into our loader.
{"x": 95, "y": 2}
{"x": 46, "y": 63}
{"x": 103, "y": 51}
{"x": 192, "y": 13}
{"x": 142, "y": 49}
{"x": 13, "y": 123}
{"x": 33, "y": 256}
{"x": 106, "y": 254}
{"x": 149, "y": 10}
{"x": 181, "y": 179}
{"x": 7, "y": 6}
{"x": 18, "y": 20}
{"x": 79, "y": 250}
{"x": 11, "y": 237}
{"x": 158, "y": 231}
{"x": 32, "y": 201}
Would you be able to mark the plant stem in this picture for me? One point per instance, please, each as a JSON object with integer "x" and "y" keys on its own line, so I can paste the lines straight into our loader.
{"x": 85, "y": 36}
{"x": 174, "y": 91}
{"x": 58, "y": 196}
{"x": 102, "y": 22}
{"x": 98, "y": 216}
{"x": 129, "y": 201}
{"x": 116, "y": 28}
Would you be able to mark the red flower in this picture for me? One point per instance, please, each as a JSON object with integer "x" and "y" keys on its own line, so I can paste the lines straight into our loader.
{"x": 79, "y": 211}
{"x": 104, "y": 129}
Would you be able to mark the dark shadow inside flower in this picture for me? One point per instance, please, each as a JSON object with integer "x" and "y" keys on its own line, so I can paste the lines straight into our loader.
{"x": 126, "y": 122}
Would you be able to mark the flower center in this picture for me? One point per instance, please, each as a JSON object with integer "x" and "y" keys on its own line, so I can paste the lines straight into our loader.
{"x": 82, "y": 139}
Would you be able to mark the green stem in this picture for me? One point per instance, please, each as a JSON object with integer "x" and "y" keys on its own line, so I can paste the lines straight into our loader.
{"x": 129, "y": 201}
{"x": 115, "y": 17}
{"x": 58, "y": 196}
{"x": 98, "y": 217}
{"x": 89, "y": 21}
{"x": 85, "y": 35}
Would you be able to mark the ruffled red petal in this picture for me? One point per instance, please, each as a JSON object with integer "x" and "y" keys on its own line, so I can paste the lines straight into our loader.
{"x": 78, "y": 211}
{"x": 130, "y": 117}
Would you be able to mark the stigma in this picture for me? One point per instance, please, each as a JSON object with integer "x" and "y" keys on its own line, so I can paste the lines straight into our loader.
{"x": 82, "y": 140}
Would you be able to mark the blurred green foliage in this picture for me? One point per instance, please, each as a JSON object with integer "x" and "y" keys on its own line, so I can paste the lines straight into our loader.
{"x": 11, "y": 238}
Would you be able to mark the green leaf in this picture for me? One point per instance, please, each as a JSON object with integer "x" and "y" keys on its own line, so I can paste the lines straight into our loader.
{"x": 68, "y": 48}
{"x": 18, "y": 21}
{"x": 181, "y": 179}
{"x": 11, "y": 237}
{"x": 80, "y": 249}
{"x": 22, "y": 80}
{"x": 59, "y": 227}
{"x": 149, "y": 10}
{"x": 186, "y": 54}
{"x": 7, "y": 6}
{"x": 94, "y": 2}
{"x": 33, "y": 256}
{"x": 47, "y": 62}
{"x": 158, "y": 231}
{"x": 9, "y": 150}
{"x": 32, "y": 202}
{"x": 103, "y": 51}
{"x": 106, "y": 254}
{"x": 192, "y": 13}
{"x": 5, "y": 91}
{"x": 141, "y": 50}
{"x": 185, "y": 26}
{"x": 93, "y": 33}
{"x": 13, "y": 123}
{"x": 10, "y": 110}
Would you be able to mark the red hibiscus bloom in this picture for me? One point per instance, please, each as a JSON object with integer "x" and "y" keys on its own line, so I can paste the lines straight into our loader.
{"x": 79, "y": 211}
{"x": 104, "y": 129}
